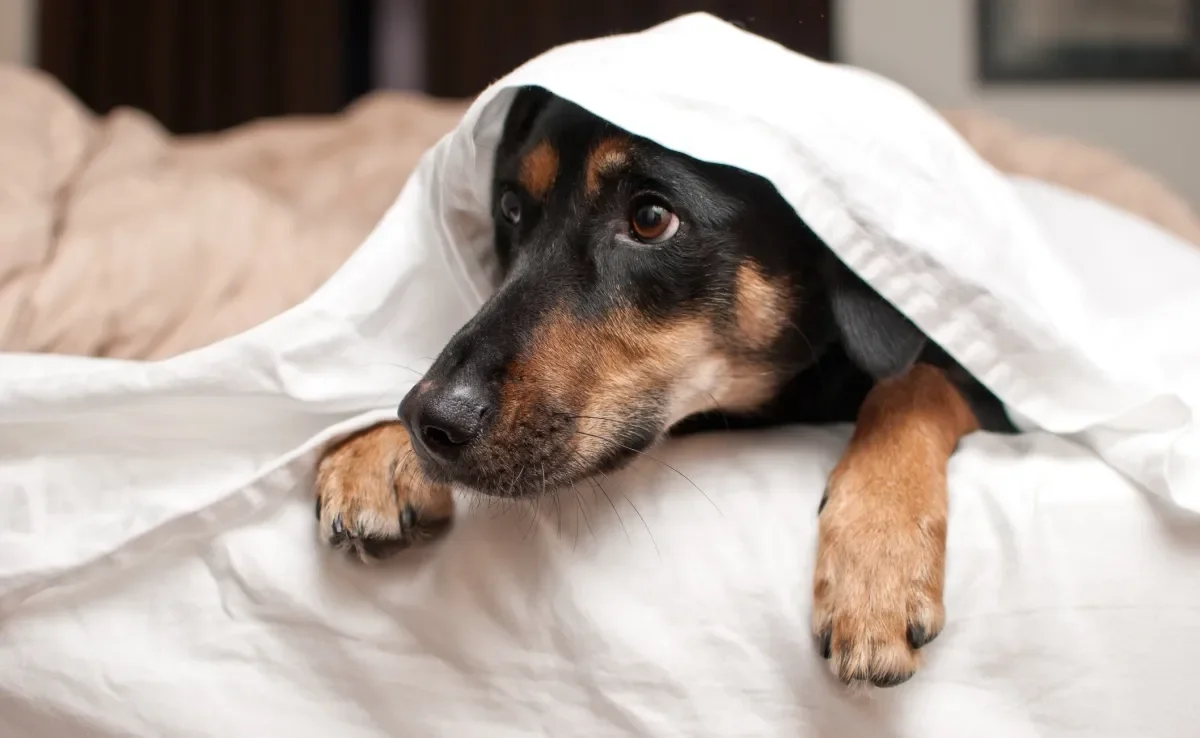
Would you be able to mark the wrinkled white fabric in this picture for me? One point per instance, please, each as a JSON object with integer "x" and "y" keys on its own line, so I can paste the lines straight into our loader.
{"x": 159, "y": 573}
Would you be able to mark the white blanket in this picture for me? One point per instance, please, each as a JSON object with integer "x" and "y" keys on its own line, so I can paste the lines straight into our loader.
{"x": 159, "y": 574}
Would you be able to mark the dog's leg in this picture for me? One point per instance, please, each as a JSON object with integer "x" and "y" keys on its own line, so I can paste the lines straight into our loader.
{"x": 372, "y": 498}
{"x": 877, "y": 589}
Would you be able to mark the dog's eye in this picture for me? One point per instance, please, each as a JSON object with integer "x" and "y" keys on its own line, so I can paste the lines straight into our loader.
{"x": 510, "y": 206}
{"x": 653, "y": 222}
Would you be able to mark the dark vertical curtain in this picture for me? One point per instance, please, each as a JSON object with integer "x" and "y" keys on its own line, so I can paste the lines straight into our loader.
{"x": 203, "y": 65}
{"x": 470, "y": 43}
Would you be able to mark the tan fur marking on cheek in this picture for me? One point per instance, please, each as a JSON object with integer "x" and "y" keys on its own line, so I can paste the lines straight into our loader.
{"x": 650, "y": 359}
{"x": 564, "y": 364}
{"x": 717, "y": 381}
{"x": 601, "y": 371}
{"x": 881, "y": 554}
{"x": 632, "y": 358}
{"x": 606, "y": 158}
{"x": 685, "y": 361}
{"x": 539, "y": 169}
{"x": 762, "y": 308}
{"x": 547, "y": 369}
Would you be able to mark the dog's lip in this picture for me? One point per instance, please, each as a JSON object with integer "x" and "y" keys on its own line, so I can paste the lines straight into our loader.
{"x": 620, "y": 452}
{"x": 450, "y": 473}
{"x": 423, "y": 454}
{"x": 559, "y": 472}
{"x": 526, "y": 484}
{"x": 434, "y": 469}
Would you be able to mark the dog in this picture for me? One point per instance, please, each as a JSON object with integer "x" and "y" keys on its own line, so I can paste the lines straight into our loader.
{"x": 648, "y": 294}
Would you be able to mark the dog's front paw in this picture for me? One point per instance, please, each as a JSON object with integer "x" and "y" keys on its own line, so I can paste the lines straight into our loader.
{"x": 372, "y": 499}
{"x": 877, "y": 589}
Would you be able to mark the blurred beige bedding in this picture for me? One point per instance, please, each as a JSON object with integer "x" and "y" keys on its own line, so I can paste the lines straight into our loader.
{"x": 118, "y": 239}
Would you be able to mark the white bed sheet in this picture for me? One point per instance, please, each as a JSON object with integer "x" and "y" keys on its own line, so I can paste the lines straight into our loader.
{"x": 1071, "y": 598}
{"x": 159, "y": 575}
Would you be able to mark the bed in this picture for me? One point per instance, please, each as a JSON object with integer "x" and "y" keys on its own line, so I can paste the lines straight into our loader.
{"x": 182, "y": 593}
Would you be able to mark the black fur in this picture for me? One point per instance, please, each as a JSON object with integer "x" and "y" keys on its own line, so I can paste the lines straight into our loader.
{"x": 575, "y": 254}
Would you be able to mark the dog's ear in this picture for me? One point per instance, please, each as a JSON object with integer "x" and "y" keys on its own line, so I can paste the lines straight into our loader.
{"x": 877, "y": 337}
{"x": 526, "y": 105}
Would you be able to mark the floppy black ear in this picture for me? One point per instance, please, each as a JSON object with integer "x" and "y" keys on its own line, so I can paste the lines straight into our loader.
{"x": 877, "y": 337}
{"x": 526, "y": 105}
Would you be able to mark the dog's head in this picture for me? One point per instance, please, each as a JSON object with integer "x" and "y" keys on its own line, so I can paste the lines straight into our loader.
{"x": 641, "y": 287}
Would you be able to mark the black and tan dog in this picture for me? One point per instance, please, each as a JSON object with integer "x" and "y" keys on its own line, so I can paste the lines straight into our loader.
{"x": 647, "y": 293}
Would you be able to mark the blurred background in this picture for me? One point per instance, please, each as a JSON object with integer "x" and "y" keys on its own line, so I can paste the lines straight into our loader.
{"x": 1118, "y": 73}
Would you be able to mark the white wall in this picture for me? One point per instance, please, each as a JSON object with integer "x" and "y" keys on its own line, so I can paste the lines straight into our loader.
{"x": 929, "y": 46}
{"x": 16, "y": 31}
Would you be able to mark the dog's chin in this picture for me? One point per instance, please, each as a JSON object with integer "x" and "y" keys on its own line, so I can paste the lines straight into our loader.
{"x": 535, "y": 479}
{"x": 539, "y": 474}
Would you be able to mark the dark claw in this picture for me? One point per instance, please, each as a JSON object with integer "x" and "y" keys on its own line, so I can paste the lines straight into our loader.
{"x": 381, "y": 548}
{"x": 435, "y": 528}
{"x": 821, "y": 504}
{"x": 857, "y": 676}
{"x": 890, "y": 680}
{"x": 825, "y": 644}
{"x": 339, "y": 528}
{"x": 407, "y": 517}
{"x": 318, "y": 508}
{"x": 917, "y": 635}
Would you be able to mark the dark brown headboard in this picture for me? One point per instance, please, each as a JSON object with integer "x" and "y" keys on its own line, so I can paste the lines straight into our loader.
{"x": 203, "y": 65}
{"x": 470, "y": 43}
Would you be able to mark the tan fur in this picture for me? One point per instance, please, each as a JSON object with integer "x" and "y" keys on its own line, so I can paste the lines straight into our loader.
{"x": 605, "y": 158}
{"x": 368, "y": 479}
{"x": 599, "y": 369}
{"x": 762, "y": 308}
{"x": 539, "y": 169}
{"x": 881, "y": 554}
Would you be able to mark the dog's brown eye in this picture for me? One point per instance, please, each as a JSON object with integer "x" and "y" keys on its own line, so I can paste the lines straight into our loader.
{"x": 510, "y": 207}
{"x": 652, "y": 222}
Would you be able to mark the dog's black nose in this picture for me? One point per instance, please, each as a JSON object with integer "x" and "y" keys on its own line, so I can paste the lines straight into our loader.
{"x": 445, "y": 420}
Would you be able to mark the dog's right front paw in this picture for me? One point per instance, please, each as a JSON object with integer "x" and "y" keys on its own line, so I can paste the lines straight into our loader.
{"x": 373, "y": 500}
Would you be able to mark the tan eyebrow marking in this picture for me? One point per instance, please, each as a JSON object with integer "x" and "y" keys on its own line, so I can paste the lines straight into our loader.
{"x": 607, "y": 157}
{"x": 539, "y": 169}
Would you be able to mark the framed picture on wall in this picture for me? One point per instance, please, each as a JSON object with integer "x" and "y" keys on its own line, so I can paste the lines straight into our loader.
{"x": 1088, "y": 40}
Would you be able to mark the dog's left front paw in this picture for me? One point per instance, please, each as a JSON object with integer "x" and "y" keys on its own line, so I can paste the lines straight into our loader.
{"x": 877, "y": 589}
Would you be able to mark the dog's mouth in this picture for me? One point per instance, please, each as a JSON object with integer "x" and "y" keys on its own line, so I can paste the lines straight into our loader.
{"x": 544, "y": 451}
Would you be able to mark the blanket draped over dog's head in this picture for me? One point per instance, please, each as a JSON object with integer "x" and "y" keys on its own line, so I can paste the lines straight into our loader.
{"x": 907, "y": 204}
{"x": 1070, "y": 345}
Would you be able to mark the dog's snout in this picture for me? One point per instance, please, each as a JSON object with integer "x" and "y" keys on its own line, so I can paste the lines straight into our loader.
{"x": 443, "y": 421}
